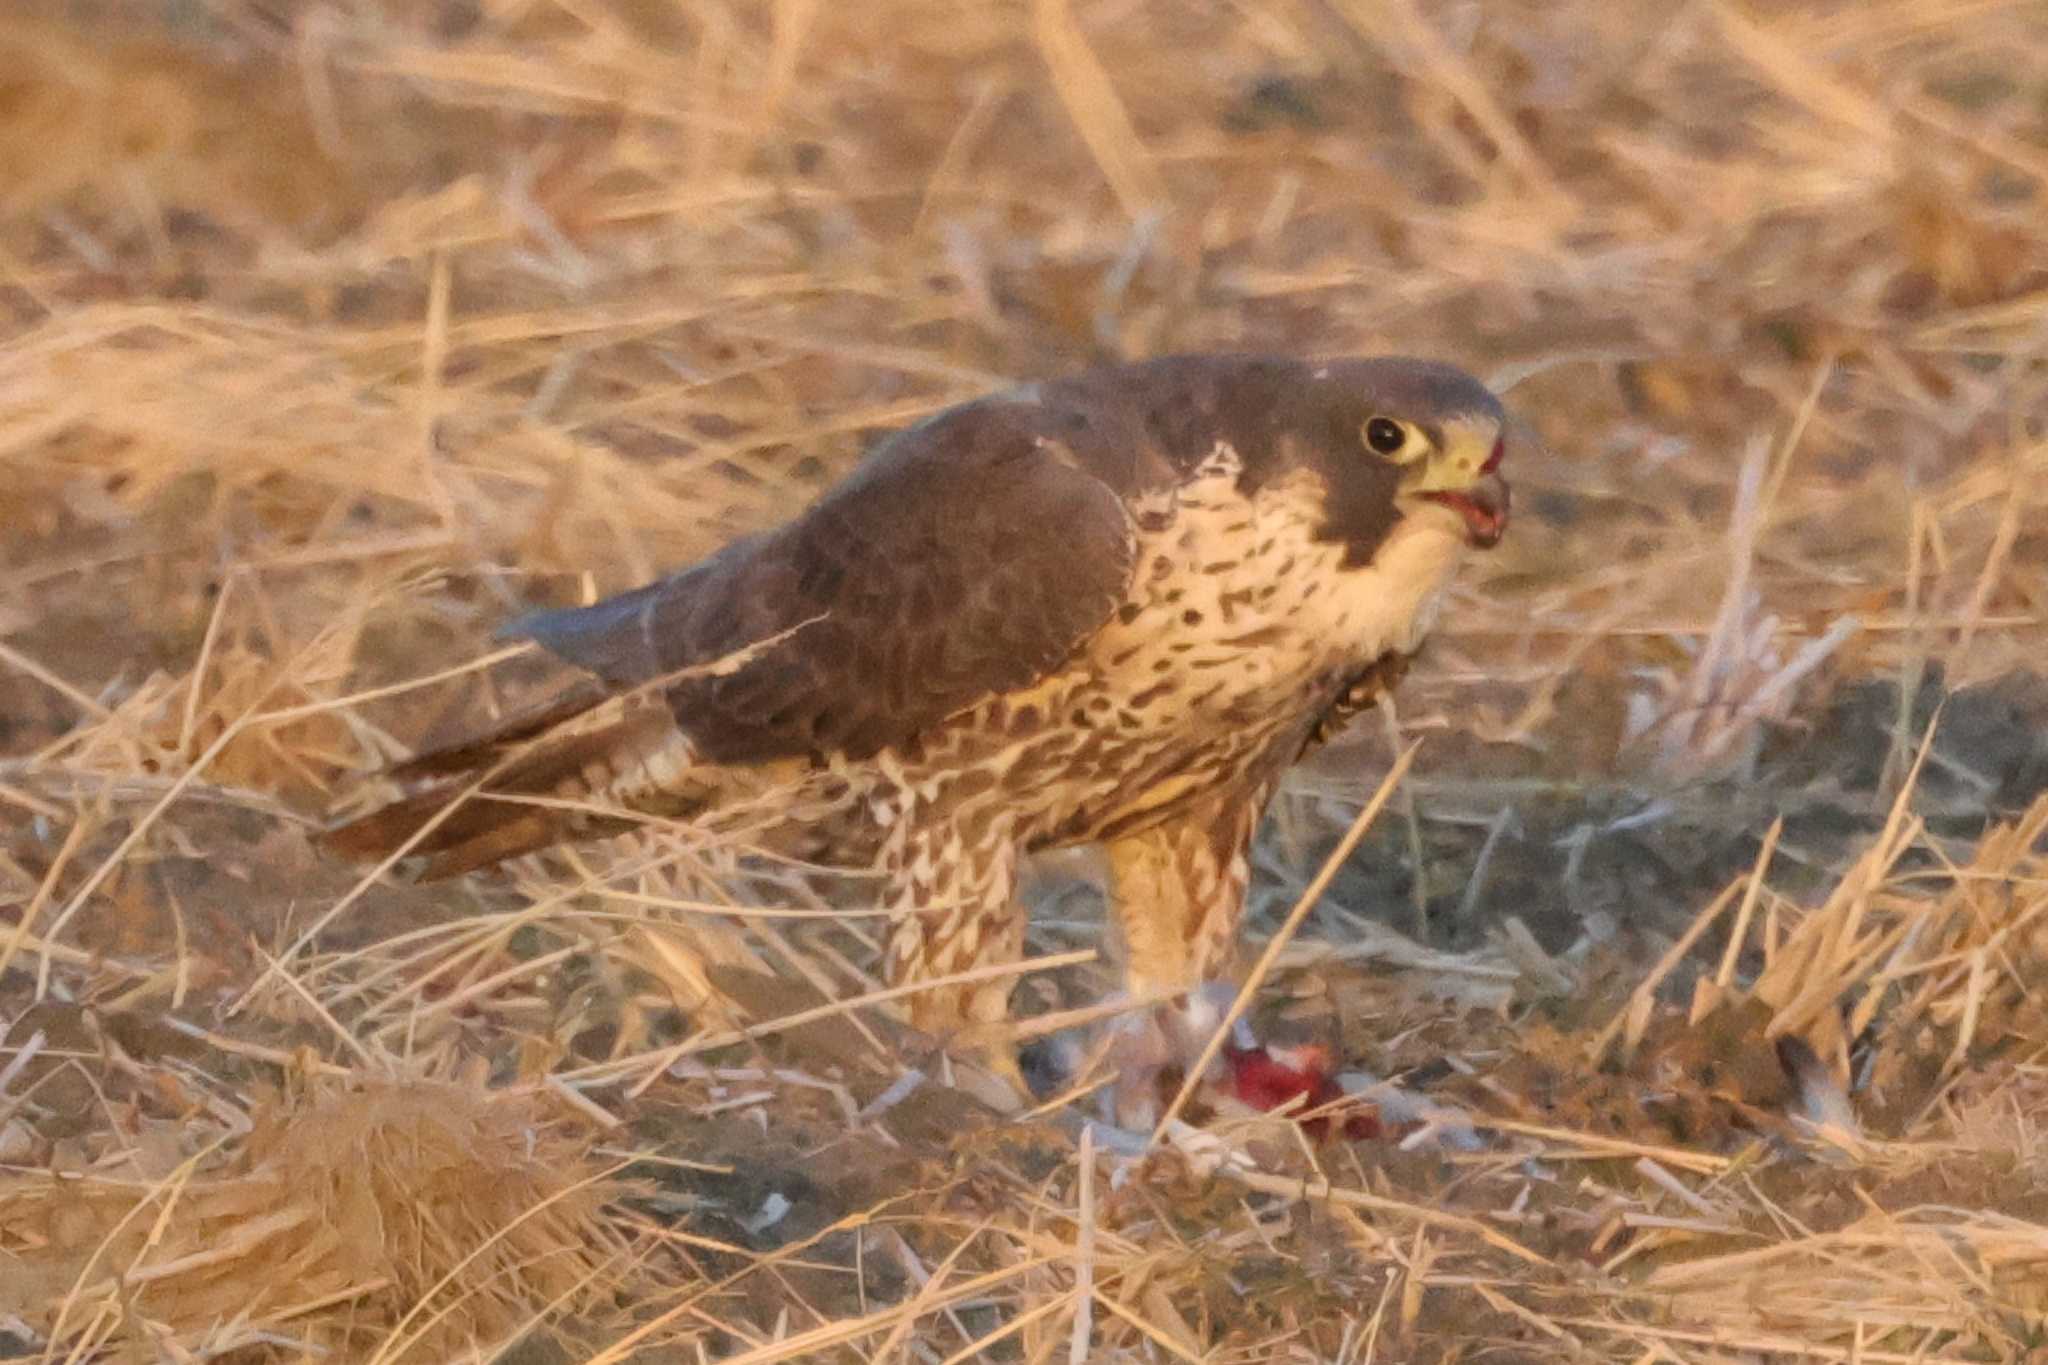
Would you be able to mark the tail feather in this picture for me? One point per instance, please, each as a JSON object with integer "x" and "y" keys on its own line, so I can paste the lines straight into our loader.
{"x": 478, "y": 752}
{"x": 473, "y": 828}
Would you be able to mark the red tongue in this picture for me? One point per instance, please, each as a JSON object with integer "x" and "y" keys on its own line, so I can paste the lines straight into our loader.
{"x": 1484, "y": 522}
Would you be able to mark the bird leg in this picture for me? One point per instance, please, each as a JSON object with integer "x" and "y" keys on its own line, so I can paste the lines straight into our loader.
{"x": 951, "y": 888}
{"x": 1178, "y": 890}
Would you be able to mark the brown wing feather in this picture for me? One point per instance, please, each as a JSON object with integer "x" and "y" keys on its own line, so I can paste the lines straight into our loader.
{"x": 966, "y": 557}
{"x": 478, "y": 751}
{"x": 482, "y": 830}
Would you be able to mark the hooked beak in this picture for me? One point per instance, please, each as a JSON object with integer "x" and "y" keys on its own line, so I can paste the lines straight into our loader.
{"x": 1484, "y": 505}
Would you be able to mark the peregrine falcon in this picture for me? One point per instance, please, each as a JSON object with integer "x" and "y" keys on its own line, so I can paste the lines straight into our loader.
{"x": 1108, "y": 609}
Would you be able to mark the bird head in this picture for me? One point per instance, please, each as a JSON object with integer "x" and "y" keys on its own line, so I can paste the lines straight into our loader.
{"x": 1454, "y": 462}
{"x": 1400, "y": 439}
{"x": 1444, "y": 435}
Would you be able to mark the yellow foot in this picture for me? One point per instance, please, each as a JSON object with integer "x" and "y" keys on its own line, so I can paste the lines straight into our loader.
{"x": 1147, "y": 1054}
{"x": 978, "y": 1061}
{"x": 991, "y": 1075}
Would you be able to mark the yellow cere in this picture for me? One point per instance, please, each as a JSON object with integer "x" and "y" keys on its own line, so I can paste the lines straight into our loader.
{"x": 1467, "y": 446}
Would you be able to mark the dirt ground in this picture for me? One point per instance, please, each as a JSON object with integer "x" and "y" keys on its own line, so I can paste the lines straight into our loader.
{"x": 1692, "y": 971}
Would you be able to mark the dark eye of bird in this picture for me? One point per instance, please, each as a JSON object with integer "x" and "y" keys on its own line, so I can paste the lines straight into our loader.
{"x": 1385, "y": 435}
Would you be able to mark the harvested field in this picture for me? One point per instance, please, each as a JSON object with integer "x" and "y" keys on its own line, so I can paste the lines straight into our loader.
{"x": 1695, "y": 966}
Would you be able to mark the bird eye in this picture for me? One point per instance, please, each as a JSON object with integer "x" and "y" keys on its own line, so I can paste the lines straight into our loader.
{"x": 1385, "y": 436}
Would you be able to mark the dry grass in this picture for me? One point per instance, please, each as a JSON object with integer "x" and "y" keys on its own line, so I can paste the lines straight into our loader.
{"x": 336, "y": 333}
{"x": 397, "y": 1218}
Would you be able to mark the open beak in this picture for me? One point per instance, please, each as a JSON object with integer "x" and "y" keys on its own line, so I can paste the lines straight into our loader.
{"x": 1484, "y": 506}
{"x": 1483, "y": 503}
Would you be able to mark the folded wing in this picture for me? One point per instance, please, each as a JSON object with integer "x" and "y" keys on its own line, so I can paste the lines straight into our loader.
{"x": 967, "y": 557}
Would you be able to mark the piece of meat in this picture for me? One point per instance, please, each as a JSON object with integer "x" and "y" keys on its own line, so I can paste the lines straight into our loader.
{"x": 1267, "y": 1078}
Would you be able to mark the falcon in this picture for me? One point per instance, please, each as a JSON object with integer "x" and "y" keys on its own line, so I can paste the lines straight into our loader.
{"x": 1106, "y": 609}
